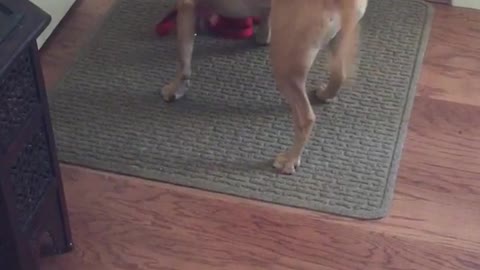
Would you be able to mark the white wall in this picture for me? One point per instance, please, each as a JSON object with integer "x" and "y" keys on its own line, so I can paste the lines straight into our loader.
{"x": 467, "y": 3}
{"x": 57, "y": 9}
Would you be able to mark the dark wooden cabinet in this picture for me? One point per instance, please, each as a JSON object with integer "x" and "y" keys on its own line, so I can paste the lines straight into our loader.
{"x": 32, "y": 203}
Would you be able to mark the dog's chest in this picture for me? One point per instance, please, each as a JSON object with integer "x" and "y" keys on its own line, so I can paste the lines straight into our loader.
{"x": 235, "y": 8}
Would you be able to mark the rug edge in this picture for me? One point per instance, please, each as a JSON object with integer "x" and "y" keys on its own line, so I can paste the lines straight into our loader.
{"x": 406, "y": 116}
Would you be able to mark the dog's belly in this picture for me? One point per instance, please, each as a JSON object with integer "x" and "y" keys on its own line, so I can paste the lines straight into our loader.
{"x": 235, "y": 8}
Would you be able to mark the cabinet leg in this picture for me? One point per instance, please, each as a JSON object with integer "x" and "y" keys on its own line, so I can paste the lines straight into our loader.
{"x": 57, "y": 238}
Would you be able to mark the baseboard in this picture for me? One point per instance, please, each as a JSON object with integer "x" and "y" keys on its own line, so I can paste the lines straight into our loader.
{"x": 55, "y": 8}
{"x": 475, "y": 4}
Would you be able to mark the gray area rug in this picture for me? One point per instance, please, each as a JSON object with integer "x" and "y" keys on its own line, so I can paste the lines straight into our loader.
{"x": 108, "y": 113}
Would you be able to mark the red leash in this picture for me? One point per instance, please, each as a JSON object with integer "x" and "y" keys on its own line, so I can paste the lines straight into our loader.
{"x": 231, "y": 28}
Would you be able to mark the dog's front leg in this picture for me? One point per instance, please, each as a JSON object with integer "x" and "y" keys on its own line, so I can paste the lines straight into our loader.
{"x": 185, "y": 39}
{"x": 291, "y": 65}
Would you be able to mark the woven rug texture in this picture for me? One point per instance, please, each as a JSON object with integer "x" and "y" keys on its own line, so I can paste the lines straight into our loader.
{"x": 108, "y": 114}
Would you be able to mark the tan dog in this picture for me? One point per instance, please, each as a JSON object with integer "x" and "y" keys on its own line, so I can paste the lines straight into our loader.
{"x": 296, "y": 31}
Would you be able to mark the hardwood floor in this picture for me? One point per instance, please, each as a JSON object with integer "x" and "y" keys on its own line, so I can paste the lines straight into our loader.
{"x": 125, "y": 223}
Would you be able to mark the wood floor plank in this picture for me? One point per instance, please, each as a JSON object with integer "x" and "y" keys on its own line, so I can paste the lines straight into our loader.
{"x": 133, "y": 224}
{"x": 450, "y": 84}
{"x": 445, "y": 135}
{"x": 452, "y": 62}
{"x": 454, "y": 32}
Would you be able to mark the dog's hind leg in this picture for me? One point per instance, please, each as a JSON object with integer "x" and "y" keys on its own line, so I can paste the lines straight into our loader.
{"x": 185, "y": 40}
{"x": 338, "y": 73}
{"x": 343, "y": 47}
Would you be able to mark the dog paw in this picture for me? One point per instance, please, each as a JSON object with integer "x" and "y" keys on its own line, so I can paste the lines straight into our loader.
{"x": 174, "y": 91}
{"x": 286, "y": 164}
{"x": 324, "y": 95}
